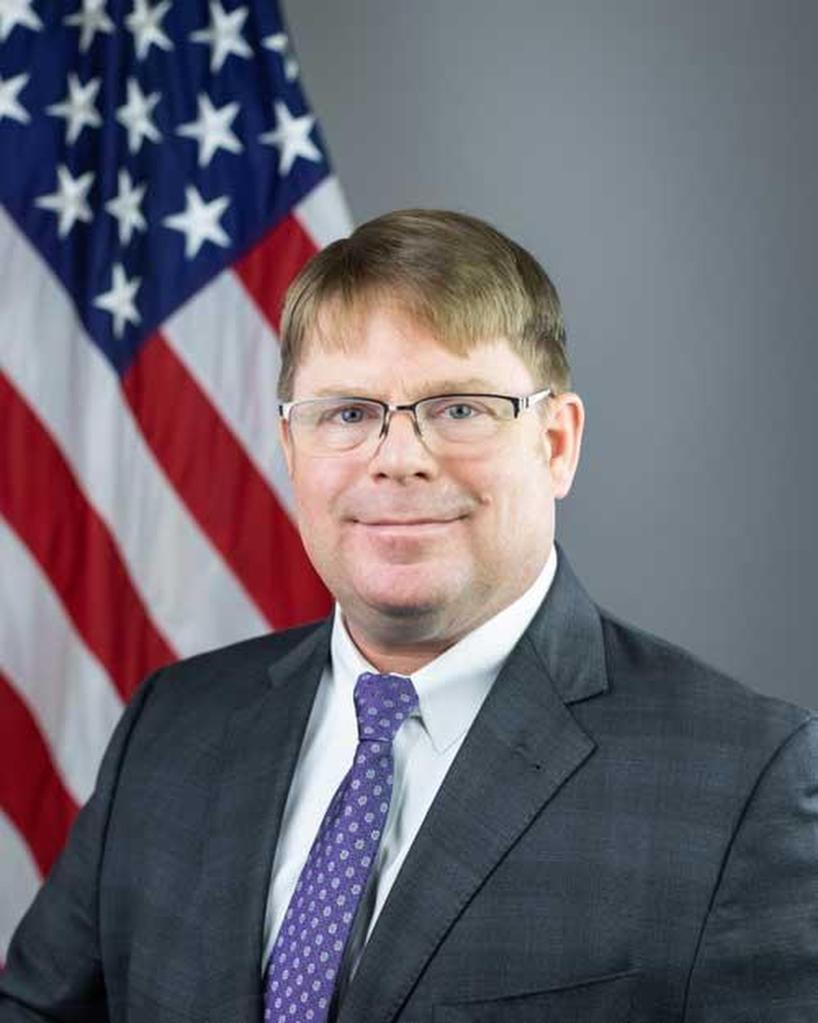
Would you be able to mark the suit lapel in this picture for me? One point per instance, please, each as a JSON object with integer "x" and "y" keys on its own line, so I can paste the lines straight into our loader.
{"x": 523, "y": 745}
{"x": 259, "y": 754}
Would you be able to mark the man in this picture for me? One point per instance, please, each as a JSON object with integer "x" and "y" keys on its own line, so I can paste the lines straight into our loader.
{"x": 471, "y": 794}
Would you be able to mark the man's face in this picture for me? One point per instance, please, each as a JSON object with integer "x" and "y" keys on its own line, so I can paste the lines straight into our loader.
{"x": 421, "y": 547}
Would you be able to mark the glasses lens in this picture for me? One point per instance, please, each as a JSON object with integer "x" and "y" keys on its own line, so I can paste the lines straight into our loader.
{"x": 328, "y": 425}
{"x": 463, "y": 418}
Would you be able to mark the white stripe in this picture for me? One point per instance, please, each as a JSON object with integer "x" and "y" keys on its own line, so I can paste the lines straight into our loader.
{"x": 21, "y": 879}
{"x": 190, "y": 592}
{"x": 324, "y": 214}
{"x": 231, "y": 351}
{"x": 64, "y": 686}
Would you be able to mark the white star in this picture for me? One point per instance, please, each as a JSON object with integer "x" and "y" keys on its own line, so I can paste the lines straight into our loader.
{"x": 10, "y": 106}
{"x": 292, "y": 137}
{"x": 135, "y": 115}
{"x": 145, "y": 25}
{"x": 224, "y": 35}
{"x": 70, "y": 200}
{"x": 90, "y": 20}
{"x": 279, "y": 43}
{"x": 125, "y": 207}
{"x": 119, "y": 301}
{"x": 78, "y": 107}
{"x": 199, "y": 221}
{"x": 212, "y": 129}
{"x": 17, "y": 12}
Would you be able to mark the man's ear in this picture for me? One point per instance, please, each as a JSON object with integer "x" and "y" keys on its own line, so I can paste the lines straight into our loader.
{"x": 563, "y": 427}
{"x": 286, "y": 441}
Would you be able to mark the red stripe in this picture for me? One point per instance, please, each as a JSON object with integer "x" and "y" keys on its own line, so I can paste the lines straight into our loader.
{"x": 31, "y": 791}
{"x": 44, "y": 505}
{"x": 268, "y": 268}
{"x": 222, "y": 488}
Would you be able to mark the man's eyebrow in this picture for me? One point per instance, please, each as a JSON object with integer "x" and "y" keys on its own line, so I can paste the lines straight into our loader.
{"x": 470, "y": 385}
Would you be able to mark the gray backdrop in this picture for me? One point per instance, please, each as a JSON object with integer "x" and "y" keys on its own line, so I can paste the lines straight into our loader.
{"x": 661, "y": 159}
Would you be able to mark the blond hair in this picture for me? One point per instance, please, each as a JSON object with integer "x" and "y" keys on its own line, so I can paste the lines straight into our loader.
{"x": 458, "y": 276}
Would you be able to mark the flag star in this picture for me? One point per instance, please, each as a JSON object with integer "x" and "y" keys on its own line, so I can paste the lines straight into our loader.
{"x": 70, "y": 201}
{"x": 91, "y": 19}
{"x": 224, "y": 35}
{"x": 279, "y": 43}
{"x": 292, "y": 136}
{"x": 135, "y": 115}
{"x": 78, "y": 107}
{"x": 212, "y": 129}
{"x": 17, "y": 12}
{"x": 199, "y": 221}
{"x": 125, "y": 207}
{"x": 10, "y": 106}
{"x": 145, "y": 24}
{"x": 119, "y": 301}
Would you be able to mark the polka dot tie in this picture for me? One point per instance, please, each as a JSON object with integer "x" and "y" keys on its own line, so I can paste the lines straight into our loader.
{"x": 305, "y": 960}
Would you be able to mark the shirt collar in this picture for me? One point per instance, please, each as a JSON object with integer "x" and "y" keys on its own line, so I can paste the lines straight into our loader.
{"x": 452, "y": 687}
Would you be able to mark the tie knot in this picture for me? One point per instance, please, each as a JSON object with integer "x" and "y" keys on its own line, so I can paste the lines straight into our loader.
{"x": 382, "y": 703}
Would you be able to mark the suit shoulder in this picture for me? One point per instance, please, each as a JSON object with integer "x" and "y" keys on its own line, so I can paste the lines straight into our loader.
{"x": 662, "y": 678}
{"x": 265, "y": 648}
{"x": 237, "y": 667}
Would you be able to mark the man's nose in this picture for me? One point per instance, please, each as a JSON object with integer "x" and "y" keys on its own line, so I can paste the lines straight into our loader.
{"x": 401, "y": 451}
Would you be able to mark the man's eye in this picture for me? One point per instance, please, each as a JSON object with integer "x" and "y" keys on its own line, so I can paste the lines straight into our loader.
{"x": 458, "y": 410}
{"x": 349, "y": 415}
{"x": 461, "y": 411}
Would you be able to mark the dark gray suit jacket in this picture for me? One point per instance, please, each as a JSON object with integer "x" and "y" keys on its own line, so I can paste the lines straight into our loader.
{"x": 624, "y": 835}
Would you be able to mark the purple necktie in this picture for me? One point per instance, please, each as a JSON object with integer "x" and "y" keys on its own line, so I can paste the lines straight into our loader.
{"x": 304, "y": 963}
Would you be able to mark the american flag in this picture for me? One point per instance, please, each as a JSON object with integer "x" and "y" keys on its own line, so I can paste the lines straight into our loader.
{"x": 162, "y": 180}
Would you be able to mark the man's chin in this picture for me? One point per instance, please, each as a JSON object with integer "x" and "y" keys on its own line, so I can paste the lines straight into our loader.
{"x": 414, "y": 586}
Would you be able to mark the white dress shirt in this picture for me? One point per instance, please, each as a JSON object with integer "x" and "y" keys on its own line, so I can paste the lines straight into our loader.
{"x": 451, "y": 689}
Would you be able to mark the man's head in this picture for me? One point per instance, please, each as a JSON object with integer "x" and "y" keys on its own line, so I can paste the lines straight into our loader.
{"x": 426, "y": 530}
{"x": 453, "y": 273}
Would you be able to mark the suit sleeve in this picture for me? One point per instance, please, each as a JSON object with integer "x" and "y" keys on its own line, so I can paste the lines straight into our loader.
{"x": 54, "y": 969}
{"x": 758, "y": 954}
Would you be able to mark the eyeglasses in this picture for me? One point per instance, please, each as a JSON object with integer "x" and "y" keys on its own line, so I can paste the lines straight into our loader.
{"x": 444, "y": 422}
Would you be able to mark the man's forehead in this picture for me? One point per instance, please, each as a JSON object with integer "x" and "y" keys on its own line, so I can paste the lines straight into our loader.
{"x": 381, "y": 349}
{"x": 488, "y": 368}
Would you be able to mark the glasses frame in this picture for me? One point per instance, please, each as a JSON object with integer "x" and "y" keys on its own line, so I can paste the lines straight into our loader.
{"x": 520, "y": 403}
